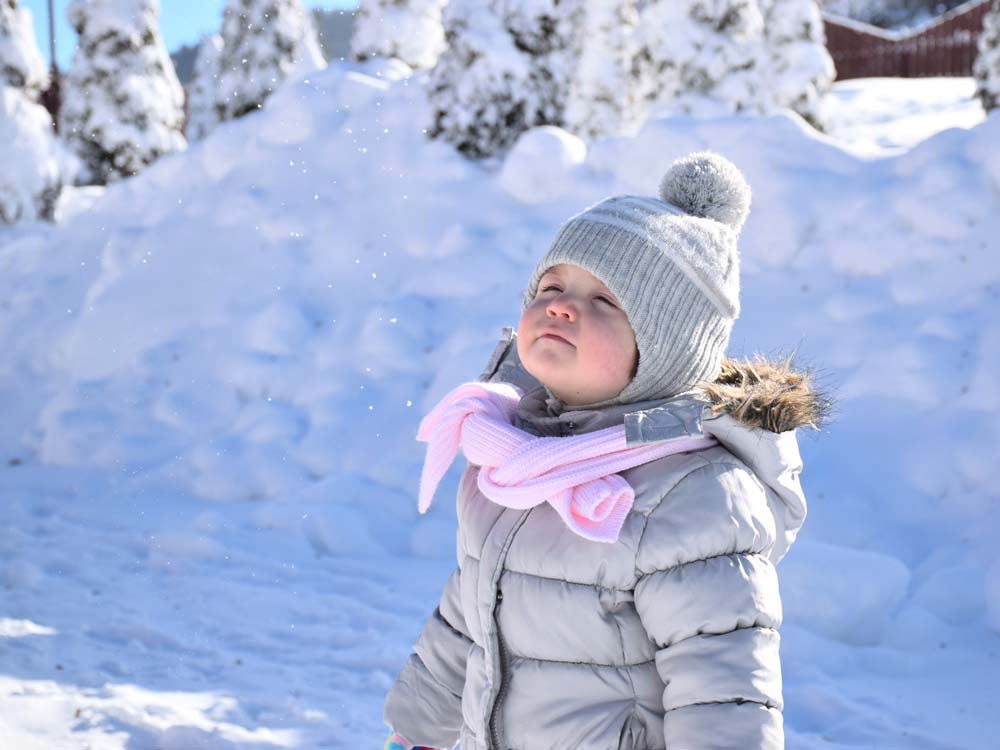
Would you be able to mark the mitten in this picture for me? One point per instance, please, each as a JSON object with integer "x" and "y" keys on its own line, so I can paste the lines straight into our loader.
{"x": 398, "y": 742}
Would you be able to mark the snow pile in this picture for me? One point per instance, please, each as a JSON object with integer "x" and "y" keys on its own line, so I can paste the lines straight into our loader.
{"x": 213, "y": 378}
{"x": 541, "y": 165}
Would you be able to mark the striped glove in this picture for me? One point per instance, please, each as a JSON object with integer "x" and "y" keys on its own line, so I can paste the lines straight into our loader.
{"x": 398, "y": 742}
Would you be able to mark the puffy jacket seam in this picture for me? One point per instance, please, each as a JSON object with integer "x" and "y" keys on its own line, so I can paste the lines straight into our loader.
{"x": 621, "y": 641}
{"x": 705, "y": 464}
{"x": 410, "y": 686}
{"x": 737, "y": 701}
{"x": 582, "y": 663}
{"x": 450, "y": 626}
{"x": 433, "y": 677}
{"x": 586, "y": 584}
{"x": 740, "y": 553}
{"x": 716, "y": 635}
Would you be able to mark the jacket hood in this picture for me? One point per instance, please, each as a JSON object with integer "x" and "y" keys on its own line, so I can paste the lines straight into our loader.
{"x": 753, "y": 408}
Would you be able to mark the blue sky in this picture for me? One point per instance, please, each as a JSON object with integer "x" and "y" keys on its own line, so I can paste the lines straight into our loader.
{"x": 181, "y": 22}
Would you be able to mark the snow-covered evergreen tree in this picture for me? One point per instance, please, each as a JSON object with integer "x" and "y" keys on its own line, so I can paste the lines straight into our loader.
{"x": 123, "y": 105}
{"x": 801, "y": 70}
{"x": 263, "y": 43}
{"x": 601, "y": 96}
{"x": 477, "y": 90}
{"x": 702, "y": 57}
{"x": 411, "y": 31}
{"x": 506, "y": 69}
{"x": 21, "y": 64}
{"x": 31, "y": 158}
{"x": 987, "y": 67}
{"x": 202, "y": 113}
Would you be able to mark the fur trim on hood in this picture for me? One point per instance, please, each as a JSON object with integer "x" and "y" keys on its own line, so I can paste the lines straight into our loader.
{"x": 769, "y": 394}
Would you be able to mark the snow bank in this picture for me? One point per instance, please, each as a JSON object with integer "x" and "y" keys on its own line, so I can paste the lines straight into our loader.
{"x": 845, "y": 594}
{"x": 539, "y": 167}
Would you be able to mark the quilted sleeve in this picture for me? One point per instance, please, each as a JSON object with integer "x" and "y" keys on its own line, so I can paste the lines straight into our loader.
{"x": 708, "y": 597}
{"x": 424, "y": 704}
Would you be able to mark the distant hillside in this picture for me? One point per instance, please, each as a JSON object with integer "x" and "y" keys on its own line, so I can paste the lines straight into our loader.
{"x": 890, "y": 14}
{"x": 334, "y": 28}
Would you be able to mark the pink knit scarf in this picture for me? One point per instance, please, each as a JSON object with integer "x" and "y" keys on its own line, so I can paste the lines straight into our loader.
{"x": 576, "y": 474}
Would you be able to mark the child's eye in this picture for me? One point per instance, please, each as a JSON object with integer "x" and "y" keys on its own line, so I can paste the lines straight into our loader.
{"x": 551, "y": 286}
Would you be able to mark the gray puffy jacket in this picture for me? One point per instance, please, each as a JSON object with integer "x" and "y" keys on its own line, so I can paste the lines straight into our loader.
{"x": 667, "y": 638}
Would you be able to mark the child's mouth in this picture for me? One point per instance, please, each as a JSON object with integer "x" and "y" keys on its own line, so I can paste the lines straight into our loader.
{"x": 555, "y": 338}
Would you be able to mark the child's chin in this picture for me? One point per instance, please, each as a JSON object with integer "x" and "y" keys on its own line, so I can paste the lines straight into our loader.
{"x": 550, "y": 372}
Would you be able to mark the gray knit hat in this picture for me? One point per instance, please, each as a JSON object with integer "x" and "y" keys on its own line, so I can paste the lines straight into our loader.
{"x": 674, "y": 265}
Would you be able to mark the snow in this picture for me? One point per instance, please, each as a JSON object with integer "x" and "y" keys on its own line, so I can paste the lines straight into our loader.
{"x": 214, "y": 373}
{"x": 411, "y": 32}
{"x": 986, "y": 68}
{"x": 993, "y": 595}
{"x": 262, "y": 44}
{"x": 33, "y": 160}
{"x": 880, "y": 116}
{"x": 540, "y": 165}
{"x": 21, "y": 64}
{"x": 201, "y": 114}
{"x": 122, "y": 105}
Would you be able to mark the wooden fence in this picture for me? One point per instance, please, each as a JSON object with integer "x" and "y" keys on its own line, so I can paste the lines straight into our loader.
{"x": 944, "y": 46}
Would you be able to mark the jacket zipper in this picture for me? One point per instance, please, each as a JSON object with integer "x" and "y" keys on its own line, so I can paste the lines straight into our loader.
{"x": 494, "y": 713}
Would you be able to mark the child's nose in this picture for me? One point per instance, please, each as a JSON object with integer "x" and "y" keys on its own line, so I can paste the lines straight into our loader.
{"x": 562, "y": 305}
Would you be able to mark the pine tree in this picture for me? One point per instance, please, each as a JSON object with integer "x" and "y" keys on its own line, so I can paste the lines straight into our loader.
{"x": 263, "y": 43}
{"x": 202, "y": 113}
{"x": 801, "y": 70}
{"x": 123, "y": 104}
{"x": 701, "y": 57}
{"x": 21, "y": 64}
{"x": 506, "y": 69}
{"x": 601, "y": 96}
{"x": 411, "y": 32}
{"x": 987, "y": 67}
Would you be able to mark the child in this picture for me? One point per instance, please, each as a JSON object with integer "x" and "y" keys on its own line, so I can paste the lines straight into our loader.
{"x": 616, "y": 588}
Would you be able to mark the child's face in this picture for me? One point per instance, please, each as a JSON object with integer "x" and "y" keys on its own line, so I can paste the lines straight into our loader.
{"x": 598, "y": 358}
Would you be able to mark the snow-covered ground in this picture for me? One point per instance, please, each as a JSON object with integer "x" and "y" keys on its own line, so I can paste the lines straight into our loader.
{"x": 213, "y": 375}
{"x": 882, "y": 116}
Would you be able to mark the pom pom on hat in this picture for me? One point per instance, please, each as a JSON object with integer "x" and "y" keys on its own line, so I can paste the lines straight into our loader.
{"x": 708, "y": 185}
